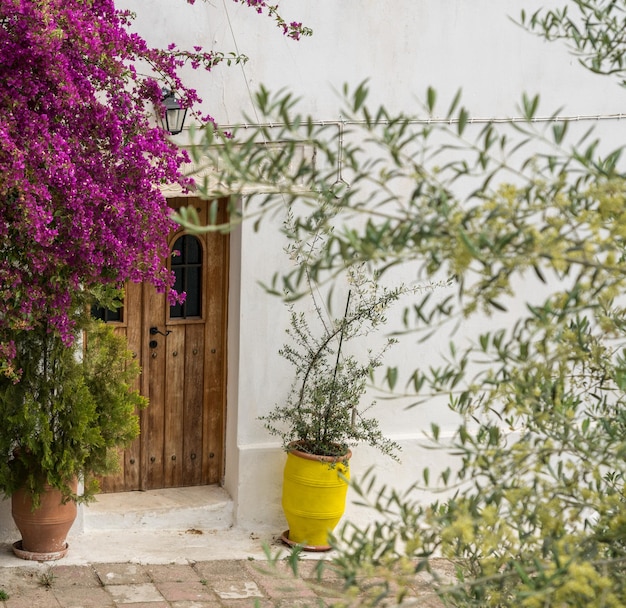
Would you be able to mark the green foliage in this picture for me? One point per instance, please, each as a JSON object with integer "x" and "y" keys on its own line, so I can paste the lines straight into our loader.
{"x": 527, "y": 217}
{"x": 323, "y": 411}
{"x": 593, "y": 29}
{"x": 70, "y": 409}
{"x": 47, "y": 578}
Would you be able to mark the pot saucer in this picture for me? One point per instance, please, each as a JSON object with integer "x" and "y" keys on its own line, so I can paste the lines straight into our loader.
{"x": 319, "y": 548}
{"x": 38, "y": 557}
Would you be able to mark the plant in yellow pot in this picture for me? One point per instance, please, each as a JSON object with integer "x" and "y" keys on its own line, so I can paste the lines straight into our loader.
{"x": 323, "y": 417}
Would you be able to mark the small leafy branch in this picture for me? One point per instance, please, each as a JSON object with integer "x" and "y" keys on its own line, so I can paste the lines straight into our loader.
{"x": 322, "y": 411}
{"x": 293, "y": 29}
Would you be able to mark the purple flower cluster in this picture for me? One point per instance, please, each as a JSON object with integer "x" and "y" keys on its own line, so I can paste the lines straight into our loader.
{"x": 80, "y": 160}
{"x": 294, "y": 30}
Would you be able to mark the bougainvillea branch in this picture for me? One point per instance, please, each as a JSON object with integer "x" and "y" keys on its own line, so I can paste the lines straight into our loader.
{"x": 81, "y": 158}
{"x": 293, "y": 29}
{"x": 81, "y": 161}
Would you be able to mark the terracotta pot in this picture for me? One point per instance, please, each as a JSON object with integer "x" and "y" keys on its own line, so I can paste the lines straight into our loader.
{"x": 314, "y": 497}
{"x": 44, "y": 530}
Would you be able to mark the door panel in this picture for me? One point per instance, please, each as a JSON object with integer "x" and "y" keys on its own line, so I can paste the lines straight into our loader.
{"x": 131, "y": 461}
{"x": 192, "y": 405}
{"x": 174, "y": 396}
{"x": 182, "y": 354}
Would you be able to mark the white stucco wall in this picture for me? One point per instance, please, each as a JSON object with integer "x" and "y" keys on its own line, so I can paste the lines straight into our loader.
{"x": 401, "y": 46}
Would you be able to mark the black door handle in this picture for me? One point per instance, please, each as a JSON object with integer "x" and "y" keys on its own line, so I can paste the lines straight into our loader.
{"x": 155, "y": 330}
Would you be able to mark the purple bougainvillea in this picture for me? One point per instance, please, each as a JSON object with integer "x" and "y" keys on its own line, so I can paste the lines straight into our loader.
{"x": 81, "y": 159}
{"x": 81, "y": 162}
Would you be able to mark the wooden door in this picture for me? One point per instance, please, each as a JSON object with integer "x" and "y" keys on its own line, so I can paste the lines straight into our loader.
{"x": 182, "y": 353}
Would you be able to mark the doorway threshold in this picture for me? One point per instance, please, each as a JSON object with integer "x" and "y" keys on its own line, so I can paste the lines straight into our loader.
{"x": 194, "y": 508}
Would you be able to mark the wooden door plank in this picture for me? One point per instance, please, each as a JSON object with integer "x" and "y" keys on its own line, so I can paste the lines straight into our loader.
{"x": 194, "y": 405}
{"x": 173, "y": 406}
{"x": 153, "y": 434}
{"x": 132, "y": 315}
{"x": 214, "y": 378}
{"x": 130, "y": 328}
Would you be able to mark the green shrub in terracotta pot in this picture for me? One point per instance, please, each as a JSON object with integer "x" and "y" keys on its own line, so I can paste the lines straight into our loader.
{"x": 72, "y": 407}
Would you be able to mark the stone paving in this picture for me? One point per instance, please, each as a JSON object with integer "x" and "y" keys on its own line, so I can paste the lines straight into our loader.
{"x": 203, "y": 584}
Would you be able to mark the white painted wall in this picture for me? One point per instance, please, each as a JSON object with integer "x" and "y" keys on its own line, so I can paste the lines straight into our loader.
{"x": 401, "y": 47}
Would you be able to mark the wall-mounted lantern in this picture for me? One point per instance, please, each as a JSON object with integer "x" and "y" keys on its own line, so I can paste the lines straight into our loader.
{"x": 174, "y": 113}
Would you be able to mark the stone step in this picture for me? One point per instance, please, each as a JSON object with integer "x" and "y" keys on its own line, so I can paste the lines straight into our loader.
{"x": 197, "y": 508}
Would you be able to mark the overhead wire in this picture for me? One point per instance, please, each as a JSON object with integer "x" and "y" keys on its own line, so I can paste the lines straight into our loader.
{"x": 241, "y": 64}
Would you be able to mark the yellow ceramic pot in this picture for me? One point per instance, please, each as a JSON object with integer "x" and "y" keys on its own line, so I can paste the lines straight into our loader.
{"x": 314, "y": 497}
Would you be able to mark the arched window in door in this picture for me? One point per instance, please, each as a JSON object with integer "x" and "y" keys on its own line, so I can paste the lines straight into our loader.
{"x": 187, "y": 268}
